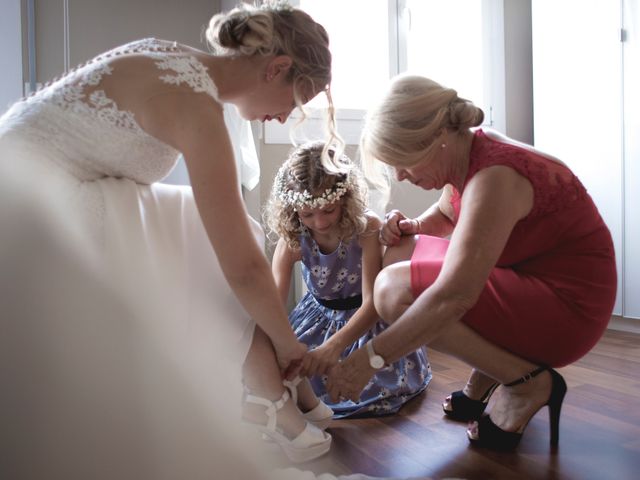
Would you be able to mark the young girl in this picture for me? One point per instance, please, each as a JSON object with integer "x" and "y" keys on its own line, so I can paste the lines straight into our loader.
{"x": 322, "y": 220}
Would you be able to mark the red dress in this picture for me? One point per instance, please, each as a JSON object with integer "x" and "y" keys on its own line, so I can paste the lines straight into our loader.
{"x": 551, "y": 294}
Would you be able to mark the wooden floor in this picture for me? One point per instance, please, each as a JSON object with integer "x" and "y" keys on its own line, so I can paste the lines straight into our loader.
{"x": 599, "y": 428}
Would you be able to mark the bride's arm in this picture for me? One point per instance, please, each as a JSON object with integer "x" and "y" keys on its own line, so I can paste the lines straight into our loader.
{"x": 195, "y": 127}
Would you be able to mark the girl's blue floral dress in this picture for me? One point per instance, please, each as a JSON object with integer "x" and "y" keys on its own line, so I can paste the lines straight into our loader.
{"x": 334, "y": 286}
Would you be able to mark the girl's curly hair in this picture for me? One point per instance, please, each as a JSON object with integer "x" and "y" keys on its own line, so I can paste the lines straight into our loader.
{"x": 303, "y": 170}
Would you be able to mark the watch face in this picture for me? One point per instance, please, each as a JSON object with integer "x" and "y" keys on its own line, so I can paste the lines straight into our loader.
{"x": 376, "y": 362}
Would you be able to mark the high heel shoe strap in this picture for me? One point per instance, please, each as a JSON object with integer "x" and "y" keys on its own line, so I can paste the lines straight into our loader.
{"x": 272, "y": 407}
{"x": 527, "y": 377}
{"x": 292, "y": 386}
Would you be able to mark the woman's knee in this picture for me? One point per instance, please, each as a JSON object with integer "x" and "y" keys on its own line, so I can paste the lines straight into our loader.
{"x": 392, "y": 291}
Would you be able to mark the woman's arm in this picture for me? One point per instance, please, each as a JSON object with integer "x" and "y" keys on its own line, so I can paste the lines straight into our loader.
{"x": 494, "y": 201}
{"x": 284, "y": 258}
{"x": 194, "y": 125}
{"x": 321, "y": 359}
{"x": 437, "y": 220}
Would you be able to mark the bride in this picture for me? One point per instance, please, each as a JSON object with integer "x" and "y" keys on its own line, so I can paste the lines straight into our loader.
{"x": 122, "y": 328}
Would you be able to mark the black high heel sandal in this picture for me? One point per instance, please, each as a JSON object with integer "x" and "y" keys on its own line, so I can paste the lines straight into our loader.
{"x": 464, "y": 408}
{"x": 489, "y": 435}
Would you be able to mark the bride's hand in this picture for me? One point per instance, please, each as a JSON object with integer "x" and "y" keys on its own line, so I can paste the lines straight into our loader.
{"x": 290, "y": 357}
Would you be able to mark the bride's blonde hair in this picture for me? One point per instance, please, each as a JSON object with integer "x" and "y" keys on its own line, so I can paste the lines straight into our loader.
{"x": 276, "y": 28}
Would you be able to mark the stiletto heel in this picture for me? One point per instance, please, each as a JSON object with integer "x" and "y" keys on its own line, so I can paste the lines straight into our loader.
{"x": 558, "y": 391}
{"x": 464, "y": 408}
{"x": 489, "y": 435}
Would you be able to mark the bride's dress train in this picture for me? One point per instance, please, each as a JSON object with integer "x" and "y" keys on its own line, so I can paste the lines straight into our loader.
{"x": 120, "y": 340}
{"x": 120, "y": 359}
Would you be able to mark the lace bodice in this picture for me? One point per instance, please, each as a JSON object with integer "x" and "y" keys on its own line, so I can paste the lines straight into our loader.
{"x": 76, "y": 124}
{"x": 563, "y": 214}
{"x": 554, "y": 185}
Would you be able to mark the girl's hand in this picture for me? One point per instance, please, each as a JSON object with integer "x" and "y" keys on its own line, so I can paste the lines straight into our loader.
{"x": 395, "y": 225}
{"x": 319, "y": 360}
{"x": 290, "y": 357}
{"x": 348, "y": 378}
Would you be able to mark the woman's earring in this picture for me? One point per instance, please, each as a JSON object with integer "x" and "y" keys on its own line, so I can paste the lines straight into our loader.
{"x": 443, "y": 145}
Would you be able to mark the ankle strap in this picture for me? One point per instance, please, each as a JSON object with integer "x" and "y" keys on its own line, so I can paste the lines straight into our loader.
{"x": 292, "y": 386}
{"x": 527, "y": 377}
{"x": 272, "y": 407}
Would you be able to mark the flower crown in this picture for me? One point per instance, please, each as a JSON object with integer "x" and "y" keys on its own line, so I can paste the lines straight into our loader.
{"x": 305, "y": 199}
{"x": 277, "y": 6}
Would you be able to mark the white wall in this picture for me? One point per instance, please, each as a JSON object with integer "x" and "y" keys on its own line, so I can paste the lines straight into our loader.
{"x": 578, "y": 101}
{"x": 518, "y": 70}
{"x": 11, "y": 53}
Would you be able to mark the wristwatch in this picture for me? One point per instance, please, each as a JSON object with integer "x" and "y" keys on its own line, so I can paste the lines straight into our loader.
{"x": 375, "y": 360}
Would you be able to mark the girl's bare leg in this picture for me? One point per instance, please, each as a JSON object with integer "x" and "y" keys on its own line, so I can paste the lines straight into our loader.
{"x": 307, "y": 398}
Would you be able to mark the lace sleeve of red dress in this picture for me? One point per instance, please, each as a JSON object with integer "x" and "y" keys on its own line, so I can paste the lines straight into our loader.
{"x": 554, "y": 185}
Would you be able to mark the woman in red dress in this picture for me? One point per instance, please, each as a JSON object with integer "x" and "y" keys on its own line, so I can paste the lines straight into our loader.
{"x": 525, "y": 281}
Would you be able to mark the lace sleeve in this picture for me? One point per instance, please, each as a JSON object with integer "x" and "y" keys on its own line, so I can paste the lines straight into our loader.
{"x": 554, "y": 185}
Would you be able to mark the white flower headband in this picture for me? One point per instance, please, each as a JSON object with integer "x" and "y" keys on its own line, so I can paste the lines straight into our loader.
{"x": 277, "y": 6}
{"x": 305, "y": 199}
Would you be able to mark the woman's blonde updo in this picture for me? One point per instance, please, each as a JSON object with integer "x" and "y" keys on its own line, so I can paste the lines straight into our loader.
{"x": 304, "y": 171}
{"x": 415, "y": 110}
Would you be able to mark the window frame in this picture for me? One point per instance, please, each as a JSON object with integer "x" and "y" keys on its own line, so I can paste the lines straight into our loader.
{"x": 351, "y": 121}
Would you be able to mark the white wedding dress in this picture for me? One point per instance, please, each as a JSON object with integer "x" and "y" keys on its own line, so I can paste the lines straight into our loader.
{"x": 120, "y": 340}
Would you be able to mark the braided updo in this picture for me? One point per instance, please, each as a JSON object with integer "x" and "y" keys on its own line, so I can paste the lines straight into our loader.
{"x": 275, "y": 29}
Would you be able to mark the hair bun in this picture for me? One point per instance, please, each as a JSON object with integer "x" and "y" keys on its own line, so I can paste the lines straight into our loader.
{"x": 241, "y": 30}
{"x": 464, "y": 114}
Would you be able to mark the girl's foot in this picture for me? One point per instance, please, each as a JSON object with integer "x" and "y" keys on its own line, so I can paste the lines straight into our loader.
{"x": 307, "y": 399}
{"x": 313, "y": 409}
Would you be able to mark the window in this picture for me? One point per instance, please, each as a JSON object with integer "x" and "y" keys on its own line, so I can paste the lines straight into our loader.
{"x": 458, "y": 43}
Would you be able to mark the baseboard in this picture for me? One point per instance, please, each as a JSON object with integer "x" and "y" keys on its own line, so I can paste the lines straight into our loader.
{"x": 625, "y": 324}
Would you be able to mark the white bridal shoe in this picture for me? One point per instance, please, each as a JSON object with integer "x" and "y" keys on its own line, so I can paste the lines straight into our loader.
{"x": 320, "y": 415}
{"x": 308, "y": 445}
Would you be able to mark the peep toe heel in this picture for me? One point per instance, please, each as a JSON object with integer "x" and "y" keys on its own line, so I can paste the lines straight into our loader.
{"x": 489, "y": 435}
{"x": 464, "y": 408}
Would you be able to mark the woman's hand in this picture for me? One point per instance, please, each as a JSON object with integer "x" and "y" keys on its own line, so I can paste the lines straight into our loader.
{"x": 290, "y": 357}
{"x": 348, "y": 378}
{"x": 395, "y": 225}
{"x": 320, "y": 360}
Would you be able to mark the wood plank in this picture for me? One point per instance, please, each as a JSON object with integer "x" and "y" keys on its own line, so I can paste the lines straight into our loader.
{"x": 599, "y": 428}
